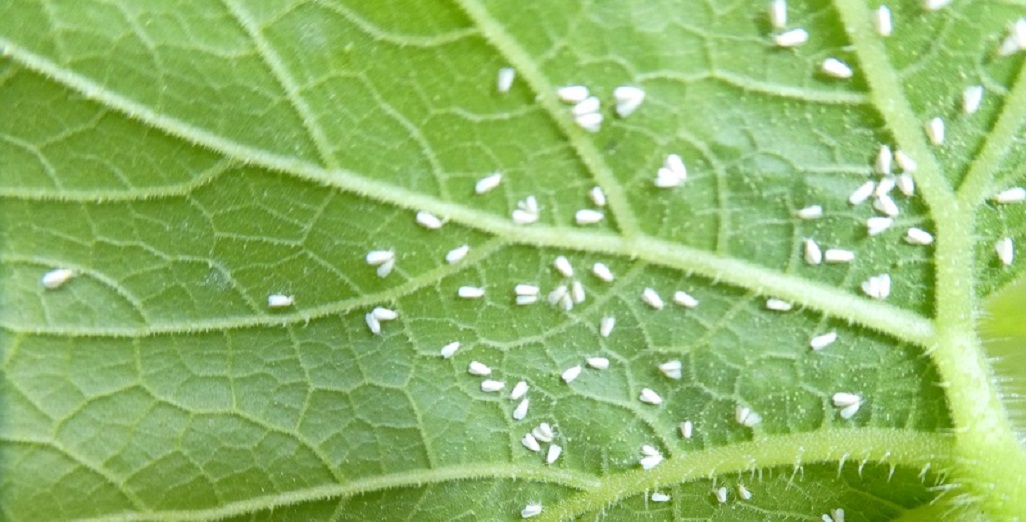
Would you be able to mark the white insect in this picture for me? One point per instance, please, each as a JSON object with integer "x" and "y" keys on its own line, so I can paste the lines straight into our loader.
{"x": 526, "y": 289}
{"x": 836, "y": 68}
{"x": 746, "y": 417}
{"x": 792, "y": 38}
{"x": 886, "y": 185}
{"x": 813, "y": 254}
{"x": 384, "y": 314}
{"x": 591, "y": 122}
{"x": 570, "y": 374}
{"x": 839, "y": 513}
{"x": 529, "y": 204}
{"x": 671, "y": 369}
{"x": 721, "y": 495}
{"x": 488, "y": 183}
{"x": 878, "y": 286}
{"x": 839, "y": 255}
{"x": 649, "y": 396}
{"x": 628, "y": 99}
{"x": 743, "y": 492}
{"x": 54, "y": 281}
{"x": 524, "y": 300}
{"x": 588, "y": 105}
{"x": 884, "y": 157}
{"x": 519, "y": 390}
{"x": 906, "y": 184}
{"x": 886, "y": 205}
{"x": 554, "y": 452}
{"x": 876, "y": 225}
{"x": 1005, "y": 250}
{"x": 659, "y": 497}
{"x": 385, "y": 268}
{"x": 672, "y": 173}
{"x": 778, "y": 305}
{"x": 666, "y": 179}
{"x": 811, "y": 212}
{"x": 606, "y": 325}
{"x": 597, "y": 196}
{"x": 862, "y": 193}
{"x": 428, "y": 220}
{"x": 972, "y": 97}
{"x": 599, "y": 363}
{"x": 530, "y": 443}
{"x": 882, "y": 21}
{"x": 572, "y": 93}
{"x": 1016, "y": 39}
{"x": 918, "y": 236}
{"x": 602, "y": 272}
{"x": 687, "y": 429}
{"x": 652, "y": 299}
{"x": 651, "y": 458}
{"x": 372, "y": 323}
{"x": 587, "y": 216}
{"x": 491, "y": 386}
{"x": 935, "y": 5}
{"x": 778, "y": 13}
{"x": 377, "y": 257}
{"x": 480, "y": 369}
{"x": 684, "y": 299}
{"x": 58, "y": 276}
{"x": 935, "y": 131}
{"x": 457, "y": 254}
{"x": 676, "y": 165}
{"x": 564, "y": 267}
{"x": 848, "y": 403}
{"x": 543, "y": 432}
{"x": 1012, "y": 195}
{"x": 532, "y": 509}
{"x": 822, "y": 341}
{"x": 471, "y": 292}
{"x": 577, "y": 292}
{"x": 557, "y": 295}
{"x": 566, "y": 302}
{"x": 905, "y": 162}
{"x": 450, "y": 349}
{"x": 521, "y": 410}
{"x": 505, "y": 79}
{"x": 523, "y": 217}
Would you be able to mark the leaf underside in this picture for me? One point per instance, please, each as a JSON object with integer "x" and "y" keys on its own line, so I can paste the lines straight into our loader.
{"x": 188, "y": 159}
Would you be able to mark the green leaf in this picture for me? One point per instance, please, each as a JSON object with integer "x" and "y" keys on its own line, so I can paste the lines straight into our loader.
{"x": 188, "y": 159}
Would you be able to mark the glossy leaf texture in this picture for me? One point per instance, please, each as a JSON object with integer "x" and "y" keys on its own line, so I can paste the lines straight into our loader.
{"x": 187, "y": 160}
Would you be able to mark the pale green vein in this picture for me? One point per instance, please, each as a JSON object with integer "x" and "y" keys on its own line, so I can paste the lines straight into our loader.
{"x": 888, "y": 96}
{"x": 407, "y": 479}
{"x": 895, "y": 447}
{"x": 876, "y": 445}
{"x": 744, "y": 83}
{"x": 899, "y": 323}
{"x": 527, "y": 69}
{"x": 119, "y": 195}
{"x": 301, "y": 316}
{"x": 991, "y": 461}
{"x": 98, "y": 469}
{"x": 379, "y": 34}
{"x": 978, "y": 184}
{"x": 284, "y": 78}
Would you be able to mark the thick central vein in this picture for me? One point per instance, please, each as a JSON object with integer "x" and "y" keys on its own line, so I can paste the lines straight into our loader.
{"x": 899, "y": 323}
{"x": 888, "y": 96}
